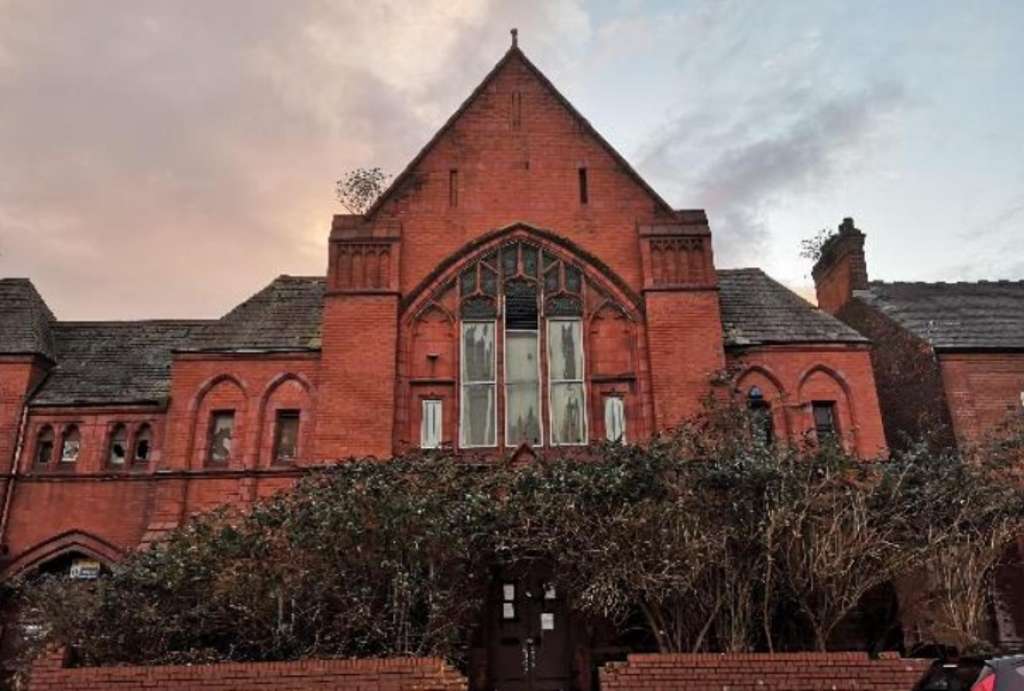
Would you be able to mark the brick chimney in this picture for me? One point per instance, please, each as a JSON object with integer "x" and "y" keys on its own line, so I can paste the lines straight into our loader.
{"x": 841, "y": 269}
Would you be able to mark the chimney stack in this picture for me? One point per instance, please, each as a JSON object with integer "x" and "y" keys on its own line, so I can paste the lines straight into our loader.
{"x": 841, "y": 268}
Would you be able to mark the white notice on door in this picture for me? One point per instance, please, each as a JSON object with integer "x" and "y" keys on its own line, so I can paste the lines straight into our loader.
{"x": 547, "y": 621}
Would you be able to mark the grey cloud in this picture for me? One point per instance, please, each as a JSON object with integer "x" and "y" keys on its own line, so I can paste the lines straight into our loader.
{"x": 738, "y": 169}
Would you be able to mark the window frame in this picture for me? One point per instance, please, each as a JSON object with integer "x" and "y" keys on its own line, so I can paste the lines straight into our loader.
{"x": 111, "y": 440}
{"x": 144, "y": 427}
{"x": 582, "y": 381}
{"x": 762, "y": 415}
{"x": 620, "y": 399}
{"x": 464, "y": 384}
{"x": 275, "y": 448}
{"x": 211, "y": 428}
{"x": 52, "y": 441}
{"x": 505, "y": 384}
{"x": 431, "y": 403}
{"x": 833, "y": 409}
{"x": 68, "y": 430}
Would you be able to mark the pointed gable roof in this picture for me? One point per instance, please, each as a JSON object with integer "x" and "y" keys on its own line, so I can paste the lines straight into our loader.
{"x": 514, "y": 53}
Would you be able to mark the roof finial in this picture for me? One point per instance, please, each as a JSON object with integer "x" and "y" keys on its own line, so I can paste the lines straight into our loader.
{"x": 515, "y": 38}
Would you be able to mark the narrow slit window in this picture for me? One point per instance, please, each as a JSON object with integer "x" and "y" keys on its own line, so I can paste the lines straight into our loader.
{"x": 44, "y": 446}
{"x": 71, "y": 445}
{"x": 565, "y": 372}
{"x": 615, "y": 419}
{"x": 430, "y": 424}
{"x": 118, "y": 446}
{"x": 824, "y": 420}
{"x": 222, "y": 429}
{"x": 478, "y": 412}
{"x": 286, "y": 436}
{"x": 517, "y": 110}
{"x": 584, "y": 192}
{"x": 760, "y": 416}
{"x": 143, "y": 444}
{"x": 453, "y": 188}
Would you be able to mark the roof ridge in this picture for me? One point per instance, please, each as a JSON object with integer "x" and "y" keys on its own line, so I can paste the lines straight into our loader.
{"x": 979, "y": 282}
{"x": 127, "y": 322}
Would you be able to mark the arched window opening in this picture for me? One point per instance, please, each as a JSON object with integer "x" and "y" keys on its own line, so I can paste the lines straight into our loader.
{"x": 71, "y": 445}
{"x": 825, "y": 427}
{"x": 118, "y": 451}
{"x": 222, "y": 430}
{"x": 44, "y": 446}
{"x": 761, "y": 416}
{"x": 143, "y": 443}
{"x": 524, "y": 286}
{"x": 286, "y": 435}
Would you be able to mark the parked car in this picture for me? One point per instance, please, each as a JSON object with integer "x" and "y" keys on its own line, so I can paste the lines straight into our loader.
{"x": 975, "y": 674}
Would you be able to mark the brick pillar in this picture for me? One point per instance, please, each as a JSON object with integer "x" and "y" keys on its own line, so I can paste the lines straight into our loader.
{"x": 356, "y": 407}
{"x": 684, "y": 324}
{"x": 841, "y": 269}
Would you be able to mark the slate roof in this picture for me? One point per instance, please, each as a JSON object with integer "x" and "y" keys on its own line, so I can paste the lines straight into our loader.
{"x": 284, "y": 316}
{"x": 25, "y": 320}
{"x": 987, "y": 315}
{"x": 113, "y": 362}
{"x": 130, "y": 361}
{"x": 757, "y": 310}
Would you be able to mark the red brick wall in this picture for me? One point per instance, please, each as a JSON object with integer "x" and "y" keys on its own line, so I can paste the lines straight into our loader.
{"x": 356, "y": 410}
{"x": 18, "y": 375}
{"x": 982, "y": 390}
{"x": 792, "y": 377}
{"x": 684, "y": 340}
{"x": 423, "y": 674}
{"x": 508, "y": 174}
{"x": 910, "y": 388}
{"x": 841, "y": 269}
{"x": 763, "y": 672}
{"x": 248, "y": 384}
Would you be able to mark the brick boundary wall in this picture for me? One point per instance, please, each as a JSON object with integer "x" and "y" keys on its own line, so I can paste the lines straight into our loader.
{"x": 49, "y": 673}
{"x": 764, "y": 672}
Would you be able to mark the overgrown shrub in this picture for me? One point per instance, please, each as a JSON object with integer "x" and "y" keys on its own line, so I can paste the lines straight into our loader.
{"x": 715, "y": 541}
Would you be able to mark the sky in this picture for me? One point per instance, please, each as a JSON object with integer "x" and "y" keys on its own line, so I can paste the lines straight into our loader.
{"x": 169, "y": 158}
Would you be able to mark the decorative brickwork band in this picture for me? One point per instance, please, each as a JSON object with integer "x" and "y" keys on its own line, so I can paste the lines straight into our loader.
{"x": 678, "y": 261}
{"x": 674, "y": 257}
{"x": 363, "y": 266}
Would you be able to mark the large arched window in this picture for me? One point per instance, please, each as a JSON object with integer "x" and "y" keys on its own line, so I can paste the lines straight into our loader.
{"x": 521, "y": 312}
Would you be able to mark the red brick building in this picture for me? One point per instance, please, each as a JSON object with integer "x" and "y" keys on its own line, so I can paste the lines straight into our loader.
{"x": 948, "y": 361}
{"x": 948, "y": 357}
{"x": 518, "y": 283}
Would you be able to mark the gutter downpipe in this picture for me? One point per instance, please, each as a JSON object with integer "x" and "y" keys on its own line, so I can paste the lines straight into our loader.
{"x": 16, "y": 463}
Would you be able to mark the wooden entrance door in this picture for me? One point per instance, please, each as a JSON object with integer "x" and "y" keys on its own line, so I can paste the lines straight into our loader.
{"x": 529, "y": 634}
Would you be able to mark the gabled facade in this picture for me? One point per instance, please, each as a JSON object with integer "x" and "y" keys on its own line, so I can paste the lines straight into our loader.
{"x": 948, "y": 357}
{"x": 948, "y": 360}
{"x": 518, "y": 284}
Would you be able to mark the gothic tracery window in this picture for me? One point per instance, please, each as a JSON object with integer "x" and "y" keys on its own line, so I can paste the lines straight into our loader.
{"x": 536, "y": 299}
